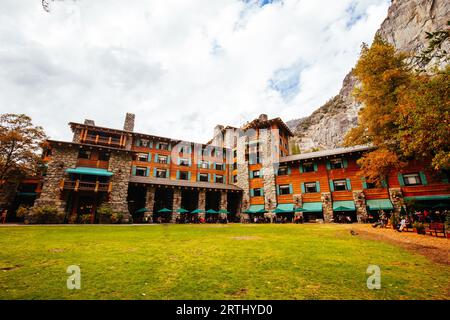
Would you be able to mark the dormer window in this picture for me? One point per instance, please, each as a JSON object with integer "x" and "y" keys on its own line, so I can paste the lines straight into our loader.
{"x": 336, "y": 164}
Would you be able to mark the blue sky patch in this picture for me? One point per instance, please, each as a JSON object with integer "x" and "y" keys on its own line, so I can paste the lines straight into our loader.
{"x": 286, "y": 81}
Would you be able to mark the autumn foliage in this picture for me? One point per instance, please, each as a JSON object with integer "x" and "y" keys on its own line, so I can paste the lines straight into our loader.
{"x": 405, "y": 115}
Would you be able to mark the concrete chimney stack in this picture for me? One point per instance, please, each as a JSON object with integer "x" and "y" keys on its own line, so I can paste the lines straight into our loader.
{"x": 89, "y": 122}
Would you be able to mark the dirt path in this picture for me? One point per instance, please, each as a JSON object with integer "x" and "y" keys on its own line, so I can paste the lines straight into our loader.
{"x": 434, "y": 248}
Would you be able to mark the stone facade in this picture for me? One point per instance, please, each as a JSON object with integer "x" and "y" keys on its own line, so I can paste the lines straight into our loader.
{"x": 176, "y": 204}
{"x": 223, "y": 203}
{"x": 396, "y": 196}
{"x": 327, "y": 206}
{"x": 360, "y": 203}
{"x": 150, "y": 202}
{"x": 243, "y": 174}
{"x": 63, "y": 158}
{"x": 202, "y": 203}
{"x": 298, "y": 203}
{"x": 268, "y": 141}
{"x": 120, "y": 166}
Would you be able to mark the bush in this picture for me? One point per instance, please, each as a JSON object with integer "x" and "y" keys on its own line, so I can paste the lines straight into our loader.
{"x": 85, "y": 218}
{"x": 420, "y": 227}
{"x": 45, "y": 214}
{"x": 394, "y": 221}
{"x": 22, "y": 212}
{"x": 107, "y": 215}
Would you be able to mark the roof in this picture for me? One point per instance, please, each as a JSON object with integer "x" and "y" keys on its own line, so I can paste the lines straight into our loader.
{"x": 184, "y": 183}
{"x": 259, "y": 123}
{"x": 97, "y": 146}
{"x": 326, "y": 153}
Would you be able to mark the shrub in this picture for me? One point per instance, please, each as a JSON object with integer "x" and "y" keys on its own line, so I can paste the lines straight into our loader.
{"x": 420, "y": 227}
{"x": 107, "y": 215}
{"x": 85, "y": 218}
{"x": 45, "y": 214}
{"x": 116, "y": 217}
{"x": 22, "y": 212}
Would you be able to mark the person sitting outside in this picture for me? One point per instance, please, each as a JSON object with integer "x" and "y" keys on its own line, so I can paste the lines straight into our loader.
{"x": 402, "y": 225}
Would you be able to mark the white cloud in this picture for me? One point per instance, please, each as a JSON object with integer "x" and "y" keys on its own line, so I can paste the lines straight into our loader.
{"x": 181, "y": 66}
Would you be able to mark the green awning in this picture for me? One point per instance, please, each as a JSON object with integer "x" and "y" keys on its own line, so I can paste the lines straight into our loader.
{"x": 181, "y": 210}
{"x": 224, "y": 211}
{"x": 90, "y": 171}
{"x": 142, "y": 210}
{"x": 198, "y": 211}
{"x": 285, "y": 207}
{"x": 344, "y": 206}
{"x": 27, "y": 194}
{"x": 211, "y": 211}
{"x": 380, "y": 204}
{"x": 312, "y": 206}
{"x": 435, "y": 197}
{"x": 164, "y": 210}
{"x": 256, "y": 208}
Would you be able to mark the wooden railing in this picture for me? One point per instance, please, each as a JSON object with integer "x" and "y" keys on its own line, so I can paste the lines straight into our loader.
{"x": 92, "y": 163}
{"x": 78, "y": 185}
{"x": 97, "y": 139}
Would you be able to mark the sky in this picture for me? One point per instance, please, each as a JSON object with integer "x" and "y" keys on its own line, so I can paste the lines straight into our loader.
{"x": 182, "y": 66}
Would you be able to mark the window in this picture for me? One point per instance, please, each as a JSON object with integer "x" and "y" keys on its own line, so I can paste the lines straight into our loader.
{"x": 370, "y": 185}
{"x": 234, "y": 153}
{"x": 103, "y": 156}
{"x": 310, "y": 187}
{"x": 257, "y": 192}
{"x": 163, "y": 146}
{"x": 219, "y": 166}
{"x": 143, "y": 143}
{"x": 235, "y": 179}
{"x": 183, "y": 175}
{"x": 256, "y": 174}
{"x": 204, "y": 164}
{"x": 340, "y": 185}
{"x": 412, "y": 179}
{"x": 142, "y": 157}
{"x": 308, "y": 167}
{"x": 234, "y": 165}
{"x": 219, "y": 179}
{"x": 161, "y": 173}
{"x": 141, "y": 171}
{"x": 282, "y": 171}
{"x": 162, "y": 159}
{"x": 336, "y": 164}
{"x": 284, "y": 189}
{"x": 184, "y": 162}
{"x": 84, "y": 154}
{"x": 203, "y": 177}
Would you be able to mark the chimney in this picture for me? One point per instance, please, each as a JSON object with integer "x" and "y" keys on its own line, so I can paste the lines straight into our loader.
{"x": 89, "y": 122}
{"x": 218, "y": 130}
{"x": 263, "y": 117}
{"x": 129, "y": 122}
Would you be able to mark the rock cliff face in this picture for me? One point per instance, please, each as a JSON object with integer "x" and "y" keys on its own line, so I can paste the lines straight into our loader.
{"x": 405, "y": 27}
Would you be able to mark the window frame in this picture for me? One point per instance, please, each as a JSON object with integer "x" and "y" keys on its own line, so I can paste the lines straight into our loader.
{"x": 310, "y": 183}
{"x": 419, "y": 179}
{"x": 343, "y": 181}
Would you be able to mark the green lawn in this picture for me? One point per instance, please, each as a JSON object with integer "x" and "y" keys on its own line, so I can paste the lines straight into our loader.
{"x": 210, "y": 262}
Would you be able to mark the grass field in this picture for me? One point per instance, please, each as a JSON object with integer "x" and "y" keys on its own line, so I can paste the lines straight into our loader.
{"x": 210, "y": 262}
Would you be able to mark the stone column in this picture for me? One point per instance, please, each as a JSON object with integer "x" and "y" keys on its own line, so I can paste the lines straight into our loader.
{"x": 150, "y": 202}
{"x": 396, "y": 196}
{"x": 63, "y": 158}
{"x": 360, "y": 203}
{"x": 223, "y": 203}
{"x": 298, "y": 203}
{"x": 327, "y": 206}
{"x": 120, "y": 166}
{"x": 243, "y": 174}
{"x": 268, "y": 139}
{"x": 202, "y": 203}
{"x": 176, "y": 203}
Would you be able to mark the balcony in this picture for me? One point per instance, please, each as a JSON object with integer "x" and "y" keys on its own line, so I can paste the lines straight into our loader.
{"x": 106, "y": 141}
{"x": 79, "y": 185}
{"x": 93, "y": 163}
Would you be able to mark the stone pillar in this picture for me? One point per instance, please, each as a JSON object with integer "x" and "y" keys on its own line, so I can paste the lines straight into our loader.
{"x": 176, "y": 203}
{"x": 202, "y": 203}
{"x": 120, "y": 166}
{"x": 243, "y": 174}
{"x": 396, "y": 196}
{"x": 298, "y": 203}
{"x": 360, "y": 203}
{"x": 223, "y": 203}
{"x": 270, "y": 161}
{"x": 63, "y": 158}
{"x": 150, "y": 202}
{"x": 129, "y": 122}
{"x": 327, "y": 206}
